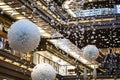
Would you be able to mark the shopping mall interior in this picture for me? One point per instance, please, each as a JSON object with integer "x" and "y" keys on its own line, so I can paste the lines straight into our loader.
{"x": 79, "y": 39}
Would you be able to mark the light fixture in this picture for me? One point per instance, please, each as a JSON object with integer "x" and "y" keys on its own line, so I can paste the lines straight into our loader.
{"x": 1, "y": 58}
{"x": 8, "y": 60}
{"x": 6, "y": 7}
{"x": 19, "y": 17}
{"x": 23, "y": 66}
{"x": 10, "y": 11}
{"x": 47, "y": 10}
{"x": 2, "y": 3}
{"x": 13, "y": 12}
{"x": 30, "y": 69}
{"x": 16, "y": 63}
{"x": 85, "y": 21}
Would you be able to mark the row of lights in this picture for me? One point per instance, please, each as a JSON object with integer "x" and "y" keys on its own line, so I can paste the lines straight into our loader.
{"x": 47, "y": 10}
{"x": 15, "y": 63}
{"x": 10, "y": 11}
{"x": 16, "y": 15}
{"x": 72, "y": 22}
{"x": 85, "y": 21}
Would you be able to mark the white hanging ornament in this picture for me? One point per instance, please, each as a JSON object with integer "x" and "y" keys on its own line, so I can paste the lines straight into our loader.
{"x": 23, "y": 36}
{"x": 43, "y": 72}
{"x": 91, "y": 51}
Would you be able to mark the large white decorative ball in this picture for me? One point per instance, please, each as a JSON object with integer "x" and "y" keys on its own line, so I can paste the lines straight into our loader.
{"x": 23, "y": 36}
{"x": 43, "y": 72}
{"x": 91, "y": 51}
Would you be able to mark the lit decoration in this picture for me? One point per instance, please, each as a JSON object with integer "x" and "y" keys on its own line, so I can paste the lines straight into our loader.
{"x": 91, "y": 51}
{"x": 23, "y": 36}
{"x": 43, "y": 71}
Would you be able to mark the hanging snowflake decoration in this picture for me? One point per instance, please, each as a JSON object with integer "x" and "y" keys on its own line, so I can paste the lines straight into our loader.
{"x": 91, "y": 51}
{"x": 23, "y": 36}
{"x": 43, "y": 72}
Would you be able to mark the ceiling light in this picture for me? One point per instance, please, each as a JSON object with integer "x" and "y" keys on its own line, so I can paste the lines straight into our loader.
{"x": 30, "y": 69}
{"x": 84, "y": 60}
{"x": 10, "y": 11}
{"x": 94, "y": 66}
{"x": 23, "y": 66}
{"x": 16, "y": 63}
{"x": 6, "y": 7}
{"x": 8, "y": 60}
{"x": 30, "y": 17}
{"x": 1, "y": 58}
{"x": 90, "y": 0}
{"x": 34, "y": 21}
{"x": 2, "y": 3}
{"x": 13, "y": 12}
{"x": 20, "y": 17}
{"x": 46, "y": 9}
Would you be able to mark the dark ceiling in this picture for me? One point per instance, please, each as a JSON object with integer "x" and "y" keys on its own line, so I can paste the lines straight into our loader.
{"x": 101, "y": 4}
{"x": 102, "y": 38}
{"x": 59, "y": 2}
{"x": 102, "y": 34}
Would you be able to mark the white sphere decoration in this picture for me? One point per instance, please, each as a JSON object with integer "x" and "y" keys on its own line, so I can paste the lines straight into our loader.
{"x": 43, "y": 71}
{"x": 23, "y": 36}
{"x": 91, "y": 51}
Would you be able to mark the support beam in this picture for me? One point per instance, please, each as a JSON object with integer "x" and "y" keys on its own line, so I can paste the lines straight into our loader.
{"x": 12, "y": 70}
{"x": 15, "y": 58}
{"x": 3, "y": 34}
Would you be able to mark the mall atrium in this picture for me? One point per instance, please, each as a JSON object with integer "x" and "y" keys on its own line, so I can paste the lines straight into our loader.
{"x": 59, "y": 39}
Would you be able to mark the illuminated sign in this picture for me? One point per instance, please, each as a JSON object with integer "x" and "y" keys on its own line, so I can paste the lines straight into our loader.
{"x": 93, "y": 12}
{"x": 117, "y": 8}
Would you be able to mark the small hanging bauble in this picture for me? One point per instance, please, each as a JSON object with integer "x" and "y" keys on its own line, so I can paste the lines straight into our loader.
{"x": 91, "y": 51}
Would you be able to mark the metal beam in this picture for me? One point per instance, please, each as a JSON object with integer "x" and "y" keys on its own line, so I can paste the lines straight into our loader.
{"x": 3, "y": 34}
{"x": 9, "y": 76}
{"x": 38, "y": 11}
{"x": 15, "y": 58}
{"x": 12, "y": 70}
{"x": 13, "y": 67}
